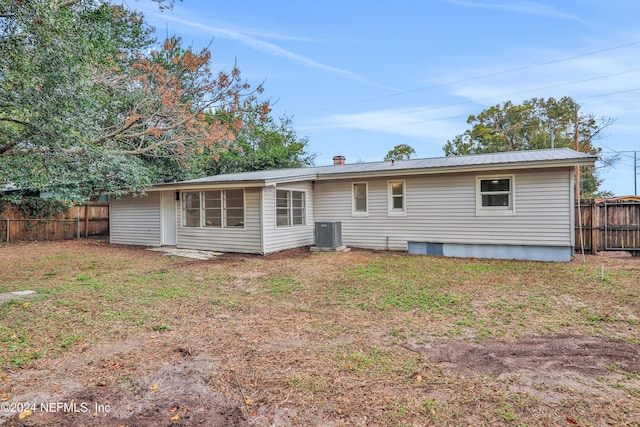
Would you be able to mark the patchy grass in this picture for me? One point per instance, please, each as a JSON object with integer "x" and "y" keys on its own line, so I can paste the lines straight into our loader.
{"x": 350, "y": 338}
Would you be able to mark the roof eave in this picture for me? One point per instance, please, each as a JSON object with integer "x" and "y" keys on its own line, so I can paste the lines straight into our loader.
{"x": 537, "y": 164}
{"x": 179, "y": 186}
{"x": 284, "y": 180}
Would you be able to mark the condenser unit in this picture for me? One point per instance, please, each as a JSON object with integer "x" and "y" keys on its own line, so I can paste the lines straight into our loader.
{"x": 329, "y": 234}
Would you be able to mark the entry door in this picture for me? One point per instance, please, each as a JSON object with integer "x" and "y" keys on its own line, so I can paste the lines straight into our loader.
{"x": 168, "y": 218}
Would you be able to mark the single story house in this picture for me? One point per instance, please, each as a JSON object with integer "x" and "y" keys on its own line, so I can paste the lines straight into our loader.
{"x": 513, "y": 205}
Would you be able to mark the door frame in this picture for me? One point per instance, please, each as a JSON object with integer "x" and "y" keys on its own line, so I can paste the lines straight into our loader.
{"x": 165, "y": 239}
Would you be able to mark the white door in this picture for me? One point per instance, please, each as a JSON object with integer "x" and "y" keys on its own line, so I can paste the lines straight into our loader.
{"x": 168, "y": 218}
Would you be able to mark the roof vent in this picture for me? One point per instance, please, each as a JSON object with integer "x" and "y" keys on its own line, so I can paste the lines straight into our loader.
{"x": 338, "y": 160}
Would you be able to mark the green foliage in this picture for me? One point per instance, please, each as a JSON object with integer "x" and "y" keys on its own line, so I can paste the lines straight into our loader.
{"x": 400, "y": 152}
{"x": 53, "y": 57}
{"x": 537, "y": 123}
{"x": 262, "y": 143}
{"x": 35, "y": 207}
{"x": 89, "y": 101}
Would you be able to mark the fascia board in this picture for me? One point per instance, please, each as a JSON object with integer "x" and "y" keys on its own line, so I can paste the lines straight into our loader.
{"x": 309, "y": 177}
{"x": 201, "y": 185}
{"x": 459, "y": 169}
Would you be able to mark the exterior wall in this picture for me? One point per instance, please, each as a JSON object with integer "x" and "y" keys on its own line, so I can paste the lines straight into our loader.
{"x": 442, "y": 209}
{"x": 135, "y": 220}
{"x": 280, "y": 238}
{"x": 243, "y": 240}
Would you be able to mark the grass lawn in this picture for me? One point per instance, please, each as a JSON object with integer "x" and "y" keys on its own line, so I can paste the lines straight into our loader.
{"x": 353, "y": 338}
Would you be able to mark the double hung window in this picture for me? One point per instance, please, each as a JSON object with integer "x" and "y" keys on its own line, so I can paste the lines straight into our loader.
{"x": 290, "y": 208}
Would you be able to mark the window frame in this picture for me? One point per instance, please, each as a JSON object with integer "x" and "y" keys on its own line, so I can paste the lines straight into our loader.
{"x": 202, "y": 210}
{"x": 482, "y": 210}
{"x": 226, "y": 208}
{"x": 354, "y": 203}
{"x": 391, "y": 211}
{"x": 205, "y": 209}
{"x": 290, "y": 208}
{"x": 185, "y": 199}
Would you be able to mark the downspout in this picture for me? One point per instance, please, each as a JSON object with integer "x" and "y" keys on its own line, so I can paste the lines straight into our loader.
{"x": 261, "y": 213}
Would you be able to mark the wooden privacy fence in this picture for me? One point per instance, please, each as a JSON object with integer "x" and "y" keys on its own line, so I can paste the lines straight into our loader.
{"x": 89, "y": 219}
{"x": 609, "y": 224}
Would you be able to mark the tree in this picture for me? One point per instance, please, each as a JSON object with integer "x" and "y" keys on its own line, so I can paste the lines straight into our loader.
{"x": 537, "y": 123}
{"x": 262, "y": 143}
{"x": 400, "y": 152}
{"x": 89, "y": 102}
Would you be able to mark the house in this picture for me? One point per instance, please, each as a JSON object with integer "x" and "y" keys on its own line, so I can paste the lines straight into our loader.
{"x": 514, "y": 205}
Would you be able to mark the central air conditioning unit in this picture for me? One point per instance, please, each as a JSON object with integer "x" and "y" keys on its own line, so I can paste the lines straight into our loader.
{"x": 329, "y": 235}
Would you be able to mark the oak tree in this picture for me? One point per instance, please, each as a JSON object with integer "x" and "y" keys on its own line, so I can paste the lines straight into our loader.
{"x": 537, "y": 123}
{"x": 400, "y": 152}
{"x": 88, "y": 99}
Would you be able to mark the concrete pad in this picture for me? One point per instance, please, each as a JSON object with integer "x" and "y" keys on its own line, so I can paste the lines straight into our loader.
{"x": 8, "y": 296}
{"x": 187, "y": 253}
{"x": 342, "y": 248}
{"x": 22, "y": 293}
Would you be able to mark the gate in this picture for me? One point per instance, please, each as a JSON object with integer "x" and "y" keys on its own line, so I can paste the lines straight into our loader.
{"x": 609, "y": 224}
{"x": 622, "y": 226}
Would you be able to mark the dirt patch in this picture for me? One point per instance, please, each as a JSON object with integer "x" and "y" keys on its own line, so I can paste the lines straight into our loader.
{"x": 154, "y": 381}
{"x": 542, "y": 366}
{"x": 120, "y": 384}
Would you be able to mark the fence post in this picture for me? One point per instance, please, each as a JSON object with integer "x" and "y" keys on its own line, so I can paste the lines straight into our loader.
{"x": 78, "y": 227}
{"x": 8, "y": 222}
{"x": 594, "y": 227}
{"x": 86, "y": 220}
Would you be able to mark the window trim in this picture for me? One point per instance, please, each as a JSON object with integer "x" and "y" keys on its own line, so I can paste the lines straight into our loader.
{"x": 391, "y": 211}
{"x": 496, "y": 210}
{"x": 184, "y": 209}
{"x": 290, "y": 208}
{"x": 225, "y": 217}
{"x": 223, "y": 209}
{"x": 355, "y": 212}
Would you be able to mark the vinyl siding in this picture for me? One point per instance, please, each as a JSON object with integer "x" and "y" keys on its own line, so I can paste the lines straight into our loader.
{"x": 135, "y": 220}
{"x": 442, "y": 208}
{"x": 242, "y": 240}
{"x": 281, "y": 238}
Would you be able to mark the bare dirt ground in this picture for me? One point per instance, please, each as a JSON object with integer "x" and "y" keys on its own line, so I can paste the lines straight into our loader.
{"x": 274, "y": 363}
{"x": 203, "y": 388}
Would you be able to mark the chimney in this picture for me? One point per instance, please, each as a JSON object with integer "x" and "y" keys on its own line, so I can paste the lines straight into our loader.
{"x": 338, "y": 160}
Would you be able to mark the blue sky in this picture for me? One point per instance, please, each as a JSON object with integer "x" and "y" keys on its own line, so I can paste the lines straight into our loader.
{"x": 360, "y": 77}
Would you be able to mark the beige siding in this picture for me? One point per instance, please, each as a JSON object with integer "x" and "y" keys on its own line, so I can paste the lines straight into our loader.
{"x": 135, "y": 220}
{"x": 243, "y": 240}
{"x": 281, "y": 238}
{"x": 442, "y": 208}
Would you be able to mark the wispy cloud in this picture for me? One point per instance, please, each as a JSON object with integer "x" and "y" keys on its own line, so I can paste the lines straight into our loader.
{"x": 432, "y": 125}
{"x": 270, "y": 48}
{"x": 522, "y": 7}
{"x": 588, "y": 79}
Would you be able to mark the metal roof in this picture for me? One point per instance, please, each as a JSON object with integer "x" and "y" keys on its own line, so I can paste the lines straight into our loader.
{"x": 531, "y": 158}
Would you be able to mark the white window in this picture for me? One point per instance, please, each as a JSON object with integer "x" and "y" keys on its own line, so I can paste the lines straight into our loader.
{"x": 233, "y": 208}
{"x": 360, "y": 199}
{"x": 191, "y": 209}
{"x": 494, "y": 195}
{"x": 213, "y": 208}
{"x": 217, "y": 208}
{"x": 396, "y": 197}
{"x": 291, "y": 209}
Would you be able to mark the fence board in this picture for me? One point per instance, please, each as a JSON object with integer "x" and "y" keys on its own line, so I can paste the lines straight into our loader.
{"x": 90, "y": 219}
